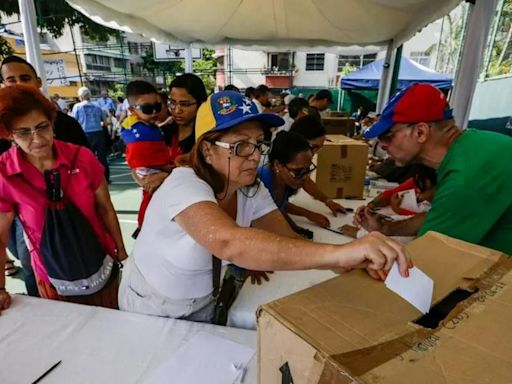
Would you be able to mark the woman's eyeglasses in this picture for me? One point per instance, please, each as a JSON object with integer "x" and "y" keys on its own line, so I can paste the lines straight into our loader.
{"x": 245, "y": 148}
{"x": 149, "y": 108}
{"x": 299, "y": 173}
{"x": 26, "y": 133}
{"x": 182, "y": 104}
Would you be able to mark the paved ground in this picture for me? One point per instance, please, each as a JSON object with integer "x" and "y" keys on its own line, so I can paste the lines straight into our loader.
{"x": 126, "y": 196}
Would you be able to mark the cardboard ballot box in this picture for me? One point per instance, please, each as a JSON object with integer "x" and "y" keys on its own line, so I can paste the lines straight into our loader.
{"x": 352, "y": 329}
{"x": 341, "y": 167}
{"x": 339, "y": 125}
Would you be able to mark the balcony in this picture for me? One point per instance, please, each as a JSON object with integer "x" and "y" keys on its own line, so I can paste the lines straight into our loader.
{"x": 279, "y": 77}
{"x": 278, "y": 71}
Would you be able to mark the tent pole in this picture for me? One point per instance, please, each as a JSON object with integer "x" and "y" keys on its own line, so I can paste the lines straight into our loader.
{"x": 31, "y": 39}
{"x": 479, "y": 25}
{"x": 188, "y": 59}
{"x": 396, "y": 70}
{"x": 385, "y": 80}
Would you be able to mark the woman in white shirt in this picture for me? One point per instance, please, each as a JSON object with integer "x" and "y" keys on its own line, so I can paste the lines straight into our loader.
{"x": 217, "y": 206}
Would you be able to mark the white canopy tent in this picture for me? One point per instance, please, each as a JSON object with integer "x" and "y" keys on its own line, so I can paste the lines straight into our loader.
{"x": 274, "y": 24}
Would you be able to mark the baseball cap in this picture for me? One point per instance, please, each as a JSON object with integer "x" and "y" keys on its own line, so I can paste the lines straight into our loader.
{"x": 288, "y": 98}
{"x": 420, "y": 102}
{"x": 226, "y": 109}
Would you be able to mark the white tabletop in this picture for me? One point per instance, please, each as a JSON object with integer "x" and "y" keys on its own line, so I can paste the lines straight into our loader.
{"x": 282, "y": 283}
{"x": 96, "y": 345}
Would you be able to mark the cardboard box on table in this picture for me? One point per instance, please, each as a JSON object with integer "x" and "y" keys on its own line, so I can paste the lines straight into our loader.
{"x": 339, "y": 125}
{"x": 341, "y": 167}
{"x": 352, "y": 329}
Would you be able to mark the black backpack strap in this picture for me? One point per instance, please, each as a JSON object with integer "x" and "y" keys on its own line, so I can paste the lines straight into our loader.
{"x": 217, "y": 266}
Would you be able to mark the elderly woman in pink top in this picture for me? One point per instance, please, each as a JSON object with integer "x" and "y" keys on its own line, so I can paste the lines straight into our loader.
{"x": 61, "y": 197}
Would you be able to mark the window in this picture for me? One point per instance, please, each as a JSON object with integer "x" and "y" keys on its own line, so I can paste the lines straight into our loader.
{"x": 315, "y": 61}
{"x": 356, "y": 61}
{"x": 133, "y": 48}
{"x": 279, "y": 61}
{"x": 421, "y": 58}
{"x": 119, "y": 63}
{"x": 96, "y": 62}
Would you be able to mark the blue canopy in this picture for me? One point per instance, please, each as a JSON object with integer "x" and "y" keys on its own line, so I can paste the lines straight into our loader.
{"x": 368, "y": 77}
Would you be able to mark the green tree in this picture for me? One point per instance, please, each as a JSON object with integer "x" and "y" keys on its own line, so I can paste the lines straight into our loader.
{"x": 54, "y": 15}
{"x": 501, "y": 48}
{"x": 206, "y": 68}
{"x": 156, "y": 68}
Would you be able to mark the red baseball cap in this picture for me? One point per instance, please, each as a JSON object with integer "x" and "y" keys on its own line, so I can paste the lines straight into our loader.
{"x": 420, "y": 102}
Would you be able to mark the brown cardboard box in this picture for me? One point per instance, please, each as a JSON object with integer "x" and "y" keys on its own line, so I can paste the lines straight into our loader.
{"x": 337, "y": 114}
{"x": 339, "y": 125}
{"x": 352, "y": 329}
{"x": 342, "y": 167}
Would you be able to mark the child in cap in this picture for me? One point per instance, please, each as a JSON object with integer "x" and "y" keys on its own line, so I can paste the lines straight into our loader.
{"x": 146, "y": 151}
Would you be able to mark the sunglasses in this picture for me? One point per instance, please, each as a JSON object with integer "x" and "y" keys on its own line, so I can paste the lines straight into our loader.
{"x": 149, "y": 108}
{"x": 299, "y": 173}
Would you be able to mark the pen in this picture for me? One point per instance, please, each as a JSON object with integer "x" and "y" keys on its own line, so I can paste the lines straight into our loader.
{"x": 47, "y": 372}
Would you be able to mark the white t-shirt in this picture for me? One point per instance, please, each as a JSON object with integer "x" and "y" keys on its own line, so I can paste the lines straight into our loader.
{"x": 168, "y": 258}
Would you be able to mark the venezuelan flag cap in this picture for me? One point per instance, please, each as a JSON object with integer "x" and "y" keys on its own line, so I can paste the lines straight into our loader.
{"x": 418, "y": 103}
{"x": 226, "y": 109}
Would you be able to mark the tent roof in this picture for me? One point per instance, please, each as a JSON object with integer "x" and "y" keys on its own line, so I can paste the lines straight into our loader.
{"x": 265, "y": 23}
{"x": 368, "y": 77}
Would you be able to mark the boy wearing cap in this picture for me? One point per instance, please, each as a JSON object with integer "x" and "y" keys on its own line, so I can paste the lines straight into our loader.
{"x": 473, "y": 200}
{"x": 146, "y": 151}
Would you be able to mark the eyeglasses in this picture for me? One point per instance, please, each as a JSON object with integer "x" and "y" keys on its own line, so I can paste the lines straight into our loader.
{"x": 245, "y": 148}
{"x": 181, "y": 104}
{"x": 299, "y": 173}
{"x": 388, "y": 136}
{"x": 25, "y": 134}
{"x": 149, "y": 108}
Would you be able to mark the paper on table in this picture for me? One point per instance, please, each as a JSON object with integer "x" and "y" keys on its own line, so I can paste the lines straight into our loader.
{"x": 205, "y": 359}
{"x": 417, "y": 289}
{"x": 409, "y": 200}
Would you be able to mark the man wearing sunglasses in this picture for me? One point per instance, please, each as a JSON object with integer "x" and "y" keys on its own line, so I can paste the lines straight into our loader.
{"x": 473, "y": 199}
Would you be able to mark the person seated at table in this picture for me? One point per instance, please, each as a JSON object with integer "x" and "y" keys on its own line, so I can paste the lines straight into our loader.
{"x": 424, "y": 184}
{"x": 216, "y": 206}
{"x": 313, "y": 131}
{"x": 290, "y": 162}
{"x": 42, "y": 181}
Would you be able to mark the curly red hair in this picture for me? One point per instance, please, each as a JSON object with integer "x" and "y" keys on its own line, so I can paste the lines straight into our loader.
{"x": 19, "y": 100}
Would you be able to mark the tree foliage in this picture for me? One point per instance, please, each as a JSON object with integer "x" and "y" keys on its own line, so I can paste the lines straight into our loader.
{"x": 54, "y": 15}
{"x": 501, "y": 48}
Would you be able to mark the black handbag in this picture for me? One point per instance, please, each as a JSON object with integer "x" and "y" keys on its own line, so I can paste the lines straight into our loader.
{"x": 226, "y": 293}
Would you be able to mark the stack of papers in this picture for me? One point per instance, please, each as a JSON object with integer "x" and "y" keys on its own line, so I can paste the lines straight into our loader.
{"x": 205, "y": 359}
{"x": 417, "y": 289}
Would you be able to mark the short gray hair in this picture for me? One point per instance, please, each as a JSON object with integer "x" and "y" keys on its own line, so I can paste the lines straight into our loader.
{"x": 84, "y": 93}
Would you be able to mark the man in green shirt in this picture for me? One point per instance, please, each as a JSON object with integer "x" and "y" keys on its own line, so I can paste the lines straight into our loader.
{"x": 473, "y": 199}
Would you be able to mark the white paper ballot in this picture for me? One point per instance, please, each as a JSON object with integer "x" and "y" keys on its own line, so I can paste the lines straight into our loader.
{"x": 205, "y": 359}
{"x": 417, "y": 289}
{"x": 409, "y": 200}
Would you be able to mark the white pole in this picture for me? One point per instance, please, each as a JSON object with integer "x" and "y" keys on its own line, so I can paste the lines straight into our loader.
{"x": 385, "y": 79}
{"x": 31, "y": 39}
{"x": 188, "y": 60}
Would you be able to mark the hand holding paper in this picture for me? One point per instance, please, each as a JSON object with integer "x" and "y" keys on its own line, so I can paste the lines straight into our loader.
{"x": 417, "y": 289}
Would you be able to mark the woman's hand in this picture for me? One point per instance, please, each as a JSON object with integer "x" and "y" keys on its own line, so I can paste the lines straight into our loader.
{"x": 318, "y": 219}
{"x": 121, "y": 255}
{"x": 150, "y": 183}
{"x": 368, "y": 220}
{"x": 335, "y": 207}
{"x": 376, "y": 253}
{"x": 5, "y": 299}
{"x": 257, "y": 277}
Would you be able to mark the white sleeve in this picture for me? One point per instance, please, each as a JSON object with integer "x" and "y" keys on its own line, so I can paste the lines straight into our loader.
{"x": 262, "y": 202}
{"x": 182, "y": 189}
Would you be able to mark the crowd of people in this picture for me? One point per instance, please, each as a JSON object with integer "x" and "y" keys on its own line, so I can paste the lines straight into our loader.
{"x": 217, "y": 174}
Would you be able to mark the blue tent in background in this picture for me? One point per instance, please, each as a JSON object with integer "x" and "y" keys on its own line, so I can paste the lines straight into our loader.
{"x": 368, "y": 77}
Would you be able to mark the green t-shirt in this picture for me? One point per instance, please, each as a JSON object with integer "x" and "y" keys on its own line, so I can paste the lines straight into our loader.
{"x": 473, "y": 199}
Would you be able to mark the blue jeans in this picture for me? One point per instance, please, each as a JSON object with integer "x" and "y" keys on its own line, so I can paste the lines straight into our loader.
{"x": 19, "y": 249}
{"x": 98, "y": 145}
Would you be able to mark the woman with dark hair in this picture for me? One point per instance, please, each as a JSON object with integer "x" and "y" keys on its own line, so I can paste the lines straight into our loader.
{"x": 311, "y": 128}
{"x": 288, "y": 168}
{"x": 46, "y": 183}
{"x": 216, "y": 206}
{"x": 187, "y": 93}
